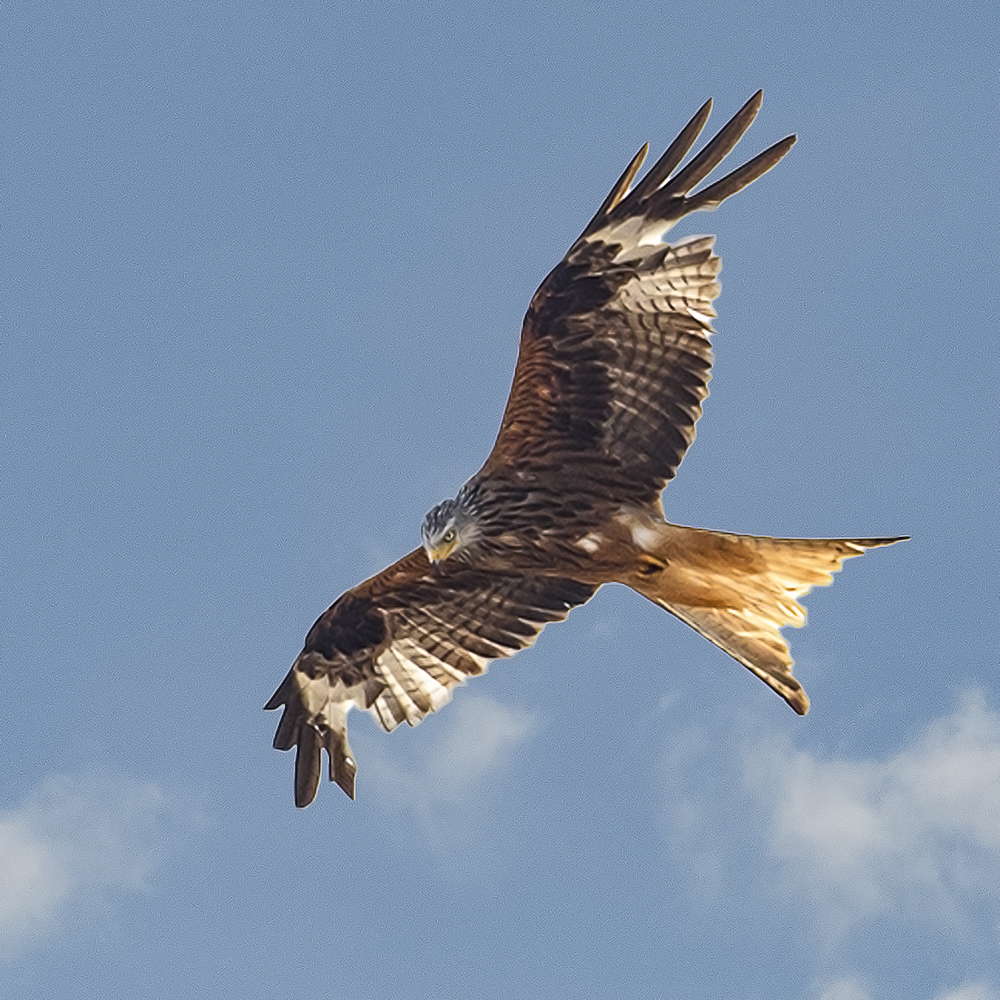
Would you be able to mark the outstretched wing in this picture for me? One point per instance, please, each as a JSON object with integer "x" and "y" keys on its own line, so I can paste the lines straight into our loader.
{"x": 396, "y": 645}
{"x": 615, "y": 356}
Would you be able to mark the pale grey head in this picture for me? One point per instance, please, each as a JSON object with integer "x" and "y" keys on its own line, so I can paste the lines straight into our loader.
{"x": 447, "y": 529}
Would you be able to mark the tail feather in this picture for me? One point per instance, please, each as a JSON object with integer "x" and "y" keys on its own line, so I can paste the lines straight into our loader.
{"x": 739, "y": 591}
{"x": 754, "y": 641}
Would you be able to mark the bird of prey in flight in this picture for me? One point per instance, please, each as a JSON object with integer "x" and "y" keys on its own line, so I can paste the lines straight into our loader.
{"x": 612, "y": 371}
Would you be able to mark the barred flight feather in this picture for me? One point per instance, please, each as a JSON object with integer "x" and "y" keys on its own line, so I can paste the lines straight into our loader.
{"x": 416, "y": 633}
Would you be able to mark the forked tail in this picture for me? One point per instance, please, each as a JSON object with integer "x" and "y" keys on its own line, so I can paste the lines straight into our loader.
{"x": 739, "y": 590}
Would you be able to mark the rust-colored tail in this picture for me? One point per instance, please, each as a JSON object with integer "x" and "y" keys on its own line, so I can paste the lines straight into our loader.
{"x": 739, "y": 590}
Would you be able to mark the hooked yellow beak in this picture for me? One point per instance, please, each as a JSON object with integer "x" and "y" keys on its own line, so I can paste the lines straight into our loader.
{"x": 441, "y": 552}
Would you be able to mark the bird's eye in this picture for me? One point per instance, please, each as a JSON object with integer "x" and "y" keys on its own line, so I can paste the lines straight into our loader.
{"x": 449, "y": 535}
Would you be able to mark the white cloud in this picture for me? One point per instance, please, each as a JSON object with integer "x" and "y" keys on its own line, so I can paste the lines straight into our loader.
{"x": 838, "y": 852}
{"x": 465, "y": 753}
{"x": 916, "y": 834}
{"x": 473, "y": 744}
{"x": 971, "y": 991}
{"x": 70, "y": 844}
{"x": 851, "y": 988}
{"x": 845, "y": 989}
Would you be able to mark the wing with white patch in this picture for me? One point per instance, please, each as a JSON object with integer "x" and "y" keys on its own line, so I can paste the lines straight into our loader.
{"x": 396, "y": 645}
{"x": 615, "y": 355}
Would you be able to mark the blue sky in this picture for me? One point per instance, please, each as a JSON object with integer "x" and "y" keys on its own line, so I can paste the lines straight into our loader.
{"x": 263, "y": 278}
